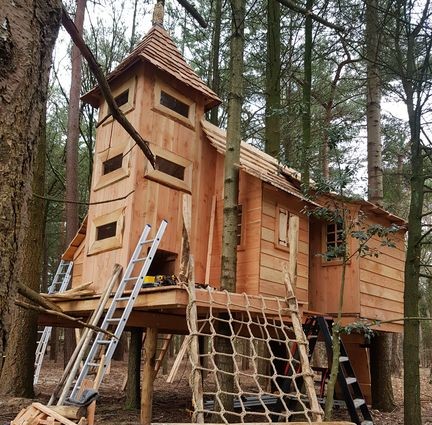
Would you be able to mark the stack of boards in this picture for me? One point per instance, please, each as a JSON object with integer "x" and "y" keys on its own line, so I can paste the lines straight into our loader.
{"x": 38, "y": 414}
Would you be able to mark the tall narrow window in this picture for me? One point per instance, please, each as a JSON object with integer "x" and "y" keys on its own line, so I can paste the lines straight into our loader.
{"x": 174, "y": 104}
{"x": 283, "y": 218}
{"x": 239, "y": 224}
{"x": 334, "y": 240}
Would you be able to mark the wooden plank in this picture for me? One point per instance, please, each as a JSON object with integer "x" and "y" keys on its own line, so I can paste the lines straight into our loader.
{"x": 384, "y": 270}
{"x": 53, "y": 414}
{"x": 381, "y": 292}
{"x": 383, "y": 281}
{"x": 381, "y": 303}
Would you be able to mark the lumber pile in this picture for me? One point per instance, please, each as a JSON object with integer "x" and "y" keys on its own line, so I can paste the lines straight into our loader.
{"x": 38, "y": 414}
{"x": 81, "y": 291}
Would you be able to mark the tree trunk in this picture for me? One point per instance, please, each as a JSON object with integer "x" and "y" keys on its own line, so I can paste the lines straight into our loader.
{"x": 215, "y": 52}
{"x": 373, "y": 107}
{"x": 231, "y": 186}
{"x": 17, "y": 374}
{"x": 382, "y": 390}
{"x": 307, "y": 86}
{"x": 273, "y": 69}
{"x": 133, "y": 392}
{"x": 72, "y": 217}
{"x": 396, "y": 361}
{"x": 27, "y": 36}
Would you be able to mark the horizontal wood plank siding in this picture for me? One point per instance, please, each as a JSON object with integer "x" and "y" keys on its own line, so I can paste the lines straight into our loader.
{"x": 272, "y": 255}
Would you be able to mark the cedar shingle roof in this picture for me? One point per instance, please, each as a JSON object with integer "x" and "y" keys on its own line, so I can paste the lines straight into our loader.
{"x": 158, "y": 49}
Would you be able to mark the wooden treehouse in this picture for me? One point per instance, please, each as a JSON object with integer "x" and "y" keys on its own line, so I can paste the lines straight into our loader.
{"x": 166, "y": 102}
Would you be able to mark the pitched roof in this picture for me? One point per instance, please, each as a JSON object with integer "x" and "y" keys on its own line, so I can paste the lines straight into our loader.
{"x": 158, "y": 49}
{"x": 268, "y": 169}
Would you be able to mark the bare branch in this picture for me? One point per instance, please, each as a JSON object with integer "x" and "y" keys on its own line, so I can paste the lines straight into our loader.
{"x": 192, "y": 11}
{"x": 104, "y": 87}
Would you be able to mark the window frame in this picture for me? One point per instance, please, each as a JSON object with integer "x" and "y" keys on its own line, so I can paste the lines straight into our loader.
{"x": 160, "y": 86}
{"x": 130, "y": 85}
{"x": 158, "y": 176}
{"x": 242, "y": 245}
{"x": 107, "y": 244}
{"x": 277, "y": 241}
{"x": 324, "y": 246}
{"x": 104, "y": 180}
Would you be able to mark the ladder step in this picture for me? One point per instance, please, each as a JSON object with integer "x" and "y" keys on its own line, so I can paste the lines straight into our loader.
{"x": 366, "y": 423}
{"x": 122, "y": 299}
{"x": 351, "y": 380}
{"x": 343, "y": 359}
{"x": 93, "y": 364}
{"x": 129, "y": 279}
{"x": 103, "y": 341}
{"x": 114, "y": 320}
{"x": 358, "y": 402}
{"x": 138, "y": 260}
{"x": 146, "y": 241}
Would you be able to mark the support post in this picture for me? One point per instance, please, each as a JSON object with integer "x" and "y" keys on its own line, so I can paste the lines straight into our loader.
{"x": 150, "y": 345}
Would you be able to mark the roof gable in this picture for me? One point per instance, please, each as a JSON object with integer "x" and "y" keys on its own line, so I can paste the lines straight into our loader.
{"x": 158, "y": 49}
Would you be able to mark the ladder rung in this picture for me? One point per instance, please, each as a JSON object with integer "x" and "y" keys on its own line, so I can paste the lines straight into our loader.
{"x": 103, "y": 341}
{"x": 139, "y": 260}
{"x": 128, "y": 279}
{"x": 93, "y": 364}
{"x": 358, "y": 402}
{"x": 114, "y": 320}
{"x": 147, "y": 241}
{"x": 366, "y": 423}
{"x": 343, "y": 359}
{"x": 350, "y": 380}
{"x": 122, "y": 299}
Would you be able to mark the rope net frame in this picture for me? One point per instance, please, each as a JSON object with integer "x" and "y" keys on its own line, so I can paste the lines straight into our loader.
{"x": 276, "y": 385}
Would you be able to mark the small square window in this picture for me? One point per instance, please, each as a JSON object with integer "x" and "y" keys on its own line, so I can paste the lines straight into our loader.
{"x": 106, "y": 231}
{"x": 112, "y": 164}
{"x": 174, "y": 104}
{"x": 171, "y": 168}
{"x": 122, "y": 98}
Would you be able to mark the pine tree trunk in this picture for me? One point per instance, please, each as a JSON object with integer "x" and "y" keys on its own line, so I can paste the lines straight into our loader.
{"x": 396, "y": 361}
{"x": 231, "y": 185}
{"x": 382, "y": 390}
{"x": 27, "y": 34}
{"x": 373, "y": 109}
{"x": 17, "y": 374}
{"x": 307, "y": 86}
{"x": 133, "y": 391}
{"x": 73, "y": 131}
{"x": 273, "y": 69}
{"x": 215, "y": 53}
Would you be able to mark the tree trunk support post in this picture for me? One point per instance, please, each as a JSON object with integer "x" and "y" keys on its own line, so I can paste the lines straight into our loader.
{"x": 150, "y": 345}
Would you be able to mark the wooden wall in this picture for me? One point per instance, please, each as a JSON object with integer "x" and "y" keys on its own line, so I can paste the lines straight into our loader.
{"x": 78, "y": 260}
{"x": 271, "y": 255}
{"x": 382, "y": 281}
{"x": 249, "y": 250}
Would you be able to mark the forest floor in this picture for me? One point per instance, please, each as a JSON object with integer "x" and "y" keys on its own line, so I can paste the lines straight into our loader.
{"x": 172, "y": 402}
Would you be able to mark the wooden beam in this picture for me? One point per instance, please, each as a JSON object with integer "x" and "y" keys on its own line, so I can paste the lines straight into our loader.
{"x": 210, "y": 240}
{"x": 150, "y": 345}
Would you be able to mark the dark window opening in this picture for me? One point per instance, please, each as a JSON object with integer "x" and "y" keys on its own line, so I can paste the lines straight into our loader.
{"x": 106, "y": 231}
{"x": 170, "y": 168}
{"x": 335, "y": 240}
{"x": 174, "y": 104}
{"x": 112, "y": 164}
{"x": 122, "y": 98}
{"x": 239, "y": 224}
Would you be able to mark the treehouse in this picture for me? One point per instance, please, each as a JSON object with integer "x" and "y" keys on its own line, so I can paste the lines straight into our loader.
{"x": 166, "y": 102}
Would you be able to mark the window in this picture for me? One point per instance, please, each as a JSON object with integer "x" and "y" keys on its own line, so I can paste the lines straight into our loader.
{"x": 122, "y": 98}
{"x": 112, "y": 164}
{"x": 239, "y": 224}
{"x": 106, "y": 231}
{"x": 174, "y": 104}
{"x": 282, "y": 230}
{"x": 171, "y": 168}
{"x": 335, "y": 246}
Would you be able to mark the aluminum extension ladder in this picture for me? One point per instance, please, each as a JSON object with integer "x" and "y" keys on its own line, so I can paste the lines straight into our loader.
{"x": 59, "y": 284}
{"x": 114, "y": 321}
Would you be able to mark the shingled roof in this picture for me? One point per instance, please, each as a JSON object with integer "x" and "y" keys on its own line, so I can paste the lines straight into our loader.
{"x": 158, "y": 49}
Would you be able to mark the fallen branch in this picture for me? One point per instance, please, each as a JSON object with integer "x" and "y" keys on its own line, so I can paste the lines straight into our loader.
{"x": 37, "y": 298}
{"x": 63, "y": 316}
{"x": 192, "y": 11}
{"x": 115, "y": 111}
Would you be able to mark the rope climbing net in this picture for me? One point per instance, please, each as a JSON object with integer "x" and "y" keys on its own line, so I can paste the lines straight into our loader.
{"x": 253, "y": 357}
